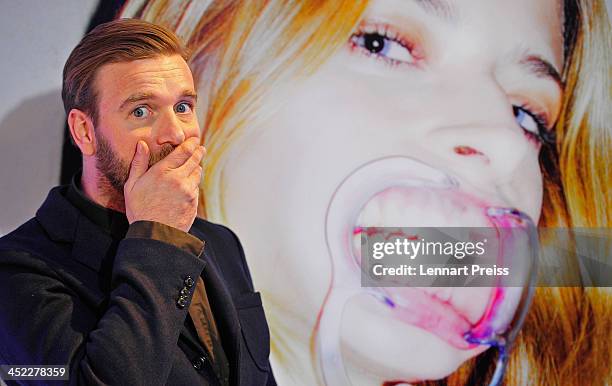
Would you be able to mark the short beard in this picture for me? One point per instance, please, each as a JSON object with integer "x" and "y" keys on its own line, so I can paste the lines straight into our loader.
{"x": 114, "y": 172}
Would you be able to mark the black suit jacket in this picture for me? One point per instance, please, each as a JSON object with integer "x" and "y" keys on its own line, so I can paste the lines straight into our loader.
{"x": 65, "y": 299}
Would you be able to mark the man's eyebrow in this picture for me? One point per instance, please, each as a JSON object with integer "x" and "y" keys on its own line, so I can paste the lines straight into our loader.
{"x": 140, "y": 96}
{"x": 189, "y": 94}
{"x": 439, "y": 8}
{"x": 542, "y": 69}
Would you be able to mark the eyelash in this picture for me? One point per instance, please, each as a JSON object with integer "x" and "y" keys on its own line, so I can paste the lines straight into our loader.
{"x": 545, "y": 136}
{"x": 191, "y": 106}
{"x": 137, "y": 108}
{"x": 387, "y": 32}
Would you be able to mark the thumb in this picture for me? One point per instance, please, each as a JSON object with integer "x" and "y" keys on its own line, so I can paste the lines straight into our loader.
{"x": 140, "y": 163}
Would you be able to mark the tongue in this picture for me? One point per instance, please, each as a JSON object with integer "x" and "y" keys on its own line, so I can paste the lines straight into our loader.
{"x": 430, "y": 207}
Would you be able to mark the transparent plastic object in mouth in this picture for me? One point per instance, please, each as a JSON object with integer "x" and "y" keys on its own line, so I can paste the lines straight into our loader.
{"x": 507, "y": 306}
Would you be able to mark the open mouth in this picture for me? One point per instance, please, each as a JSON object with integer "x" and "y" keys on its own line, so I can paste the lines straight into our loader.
{"x": 400, "y": 192}
{"x": 447, "y": 312}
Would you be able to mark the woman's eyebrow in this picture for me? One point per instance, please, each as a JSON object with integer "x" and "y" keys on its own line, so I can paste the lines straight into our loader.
{"x": 542, "y": 68}
{"x": 439, "y": 8}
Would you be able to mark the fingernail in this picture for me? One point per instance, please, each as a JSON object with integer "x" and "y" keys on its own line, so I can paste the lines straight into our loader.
{"x": 139, "y": 147}
{"x": 142, "y": 145}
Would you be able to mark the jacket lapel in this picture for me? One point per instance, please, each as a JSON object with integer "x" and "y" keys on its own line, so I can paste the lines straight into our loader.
{"x": 64, "y": 223}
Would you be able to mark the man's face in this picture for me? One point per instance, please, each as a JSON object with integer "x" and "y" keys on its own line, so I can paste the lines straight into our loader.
{"x": 148, "y": 99}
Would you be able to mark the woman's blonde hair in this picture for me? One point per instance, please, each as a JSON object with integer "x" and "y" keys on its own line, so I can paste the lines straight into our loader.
{"x": 243, "y": 49}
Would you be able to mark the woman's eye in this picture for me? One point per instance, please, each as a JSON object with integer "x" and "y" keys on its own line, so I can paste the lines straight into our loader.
{"x": 141, "y": 112}
{"x": 526, "y": 120}
{"x": 385, "y": 47}
{"x": 534, "y": 126}
{"x": 183, "y": 108}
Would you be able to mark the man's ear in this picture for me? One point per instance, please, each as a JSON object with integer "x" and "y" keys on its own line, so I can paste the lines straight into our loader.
{"x": 82, "y": 131}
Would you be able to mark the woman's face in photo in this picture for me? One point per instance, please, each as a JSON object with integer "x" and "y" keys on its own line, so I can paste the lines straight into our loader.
{"x": 468, "y": 87}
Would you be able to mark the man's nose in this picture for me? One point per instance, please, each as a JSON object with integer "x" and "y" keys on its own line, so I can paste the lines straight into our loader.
{"x": 170, "y": 129}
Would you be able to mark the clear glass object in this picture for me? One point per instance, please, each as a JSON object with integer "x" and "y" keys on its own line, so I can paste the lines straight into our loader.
{"x": 518, "y": 248}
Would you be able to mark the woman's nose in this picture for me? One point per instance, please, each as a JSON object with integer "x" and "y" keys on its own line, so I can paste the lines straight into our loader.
{"x": 478, "y": 135}
{"x": 493, "y": 151}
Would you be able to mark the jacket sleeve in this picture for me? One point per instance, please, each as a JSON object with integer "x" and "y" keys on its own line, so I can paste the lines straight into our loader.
{"x": 133, "y": 340}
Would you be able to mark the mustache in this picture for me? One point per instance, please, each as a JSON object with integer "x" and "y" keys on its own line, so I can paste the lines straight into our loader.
{"x": 161, "y": 154}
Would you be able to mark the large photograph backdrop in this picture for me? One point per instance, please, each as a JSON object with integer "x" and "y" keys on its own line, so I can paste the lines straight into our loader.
{"x": 314, "y": 112}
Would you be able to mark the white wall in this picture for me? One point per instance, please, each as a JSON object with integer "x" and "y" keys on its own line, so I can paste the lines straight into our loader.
{"x": 37, "y": 37}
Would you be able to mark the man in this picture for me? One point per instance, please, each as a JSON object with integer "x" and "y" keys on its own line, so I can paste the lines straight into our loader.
{"x": 116, "y": 277}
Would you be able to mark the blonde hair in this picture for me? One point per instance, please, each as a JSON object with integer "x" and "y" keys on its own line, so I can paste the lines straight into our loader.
{"x": 242, "y": 49}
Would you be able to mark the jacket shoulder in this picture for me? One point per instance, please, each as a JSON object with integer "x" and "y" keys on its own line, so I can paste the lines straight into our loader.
{"x": 25, "y": 238}
{"x": 54, "y": 222}
{"x": 29, "y": 250}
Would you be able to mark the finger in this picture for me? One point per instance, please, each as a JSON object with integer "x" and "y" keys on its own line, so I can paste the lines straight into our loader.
{"x": 196, "y": 177}
{"x": 140, "y": 163}
{"x": 193, "y": 162}
{"x": 181, "y": 154}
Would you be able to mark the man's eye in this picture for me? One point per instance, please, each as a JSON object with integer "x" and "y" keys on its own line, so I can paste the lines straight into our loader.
{"x": 183, "y": 108}
{"x": 141, "y": 112}
{"x": 377, "y": 44}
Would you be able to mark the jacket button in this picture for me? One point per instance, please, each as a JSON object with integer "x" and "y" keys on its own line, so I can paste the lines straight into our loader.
{"x": 188, "y": 282}
{"x": 182, "y": 302}
{"x": 198, "y": 363}
{"x": 184, "y": 291}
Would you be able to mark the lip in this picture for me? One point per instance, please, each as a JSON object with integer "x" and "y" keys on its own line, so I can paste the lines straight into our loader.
{"x": 434, "y": 310}
{"x": 423, "y": 310}
{"x": 371, "y": 187}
